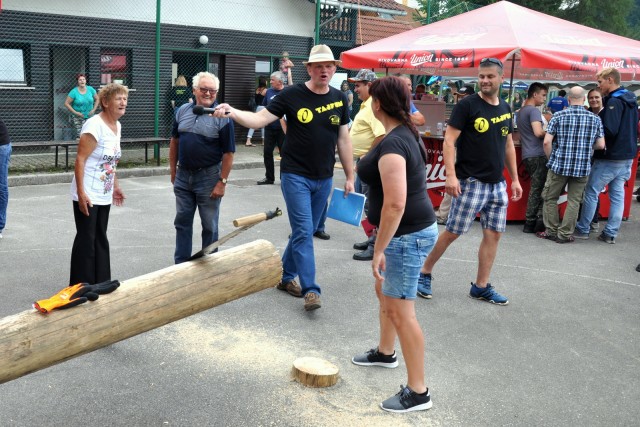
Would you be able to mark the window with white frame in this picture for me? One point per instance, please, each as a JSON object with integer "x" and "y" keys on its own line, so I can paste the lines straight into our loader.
{"x": 12, "y": 65}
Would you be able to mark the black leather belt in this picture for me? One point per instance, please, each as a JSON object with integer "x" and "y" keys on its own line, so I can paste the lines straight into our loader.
{"x": 192, "y": 171}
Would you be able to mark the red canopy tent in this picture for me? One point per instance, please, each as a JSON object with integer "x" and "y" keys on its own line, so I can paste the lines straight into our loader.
{"x": 534, "y": 46}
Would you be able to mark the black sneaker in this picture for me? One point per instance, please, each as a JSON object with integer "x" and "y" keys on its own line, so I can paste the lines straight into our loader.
{"x": 407, "y": 400}
{"x": 322, "y": 235}
{"x": 374, "y": 358}
{"x": 361, "y": 246}
{"x": 607, "y": 239}
{"x": 529, "y": 227}
{"x": 366, "y": 255}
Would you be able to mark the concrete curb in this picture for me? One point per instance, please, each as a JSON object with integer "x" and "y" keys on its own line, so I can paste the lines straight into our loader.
{"x": 58, "y": 178}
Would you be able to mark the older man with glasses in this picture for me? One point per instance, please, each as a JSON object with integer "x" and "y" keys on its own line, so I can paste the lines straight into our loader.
{"x": 200, "y": 158}
{"x": 477, "y": 146}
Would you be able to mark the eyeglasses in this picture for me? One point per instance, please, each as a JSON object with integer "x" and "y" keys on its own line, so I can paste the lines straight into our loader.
{"x": 204, "y": 91}
{"x": 493, "y": 61}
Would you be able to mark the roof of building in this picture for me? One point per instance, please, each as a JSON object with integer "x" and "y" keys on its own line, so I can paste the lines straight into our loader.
{"x": 410, "y": 17}
{"x": 382, "y": 4}
{"x": 372, "y": 28}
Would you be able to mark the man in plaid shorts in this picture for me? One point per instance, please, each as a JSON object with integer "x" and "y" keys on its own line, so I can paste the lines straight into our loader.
{"x": 477, "y": 145}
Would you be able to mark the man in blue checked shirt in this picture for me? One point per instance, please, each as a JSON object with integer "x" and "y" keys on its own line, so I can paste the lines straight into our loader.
{"x": 572, "y": 135}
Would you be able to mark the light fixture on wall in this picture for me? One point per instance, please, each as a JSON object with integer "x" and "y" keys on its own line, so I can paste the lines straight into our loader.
{"x": 203, "y": 40}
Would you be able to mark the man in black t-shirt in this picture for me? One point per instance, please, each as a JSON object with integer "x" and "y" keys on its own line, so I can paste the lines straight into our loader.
{"x": 317, "y": 119}
{"x": 274, "y": 134}
{"x": 482, "y": 126}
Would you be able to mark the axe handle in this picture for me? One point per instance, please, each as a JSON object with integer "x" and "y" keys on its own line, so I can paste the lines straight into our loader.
{"x": 250, "y": 219}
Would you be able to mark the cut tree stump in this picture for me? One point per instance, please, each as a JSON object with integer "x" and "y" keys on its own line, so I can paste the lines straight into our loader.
{"x": 315, "y": 372}
{"x": 30, "y": 341}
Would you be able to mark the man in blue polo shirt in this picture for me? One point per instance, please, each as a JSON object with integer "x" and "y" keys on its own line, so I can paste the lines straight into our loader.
{"x": 416, "y": 116}
{"x": 558, "y": 103}
{"x": 200, "y": 159}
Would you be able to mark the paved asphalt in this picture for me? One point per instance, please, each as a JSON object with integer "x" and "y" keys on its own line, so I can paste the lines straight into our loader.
{"x": 564, "y": 352}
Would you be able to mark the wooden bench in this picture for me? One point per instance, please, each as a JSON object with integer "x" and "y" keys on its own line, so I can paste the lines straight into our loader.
{"x": 57, "y": 145}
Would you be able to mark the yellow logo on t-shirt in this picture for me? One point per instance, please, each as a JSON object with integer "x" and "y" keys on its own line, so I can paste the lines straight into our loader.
{"x": 335, "y": 120}
{"x": 502, "y": 118}
{"x": 504, "y": 130}
{"x": 481, "y": 125}
{"x": 330, "y": 106}
{"x": 305, "y": 115}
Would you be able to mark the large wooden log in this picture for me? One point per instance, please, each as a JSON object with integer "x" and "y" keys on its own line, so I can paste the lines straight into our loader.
{"x": 30, "y": 341}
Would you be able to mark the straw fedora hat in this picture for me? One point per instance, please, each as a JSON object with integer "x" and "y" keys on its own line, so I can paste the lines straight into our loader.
{"x": 321, "y": 53}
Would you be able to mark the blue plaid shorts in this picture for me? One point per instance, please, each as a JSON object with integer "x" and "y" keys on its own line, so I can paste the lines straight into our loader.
{"x": 488, "y": 199}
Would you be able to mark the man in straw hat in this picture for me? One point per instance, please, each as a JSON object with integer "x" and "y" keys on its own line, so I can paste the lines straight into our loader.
{"x": 317, "y": 119}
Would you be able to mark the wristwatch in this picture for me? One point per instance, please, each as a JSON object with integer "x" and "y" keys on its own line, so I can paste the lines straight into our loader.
{"x": 223, "y": 180}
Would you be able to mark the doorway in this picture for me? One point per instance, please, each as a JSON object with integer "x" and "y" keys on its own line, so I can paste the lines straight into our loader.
{"x": 66, "y": 64}
{"x": 188, "y": 64}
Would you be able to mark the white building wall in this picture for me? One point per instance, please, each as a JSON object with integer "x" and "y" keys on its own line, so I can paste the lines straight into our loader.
{"x": 291, "y": 17}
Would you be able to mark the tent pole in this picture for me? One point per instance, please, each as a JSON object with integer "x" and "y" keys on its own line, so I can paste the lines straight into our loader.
{"x": 513, "y": 67}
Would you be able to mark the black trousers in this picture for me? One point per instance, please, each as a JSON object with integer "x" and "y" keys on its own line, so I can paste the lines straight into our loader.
{"x": 272, "y": 138}
{"x": 90, "y": 261}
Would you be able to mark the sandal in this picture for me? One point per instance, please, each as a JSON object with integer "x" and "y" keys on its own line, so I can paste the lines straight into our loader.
{"x": 249, "y": 145}
{"x": 544, "y": 235}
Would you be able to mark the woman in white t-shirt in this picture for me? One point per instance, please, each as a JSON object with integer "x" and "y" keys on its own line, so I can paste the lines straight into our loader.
{"x": 95, "y": 186}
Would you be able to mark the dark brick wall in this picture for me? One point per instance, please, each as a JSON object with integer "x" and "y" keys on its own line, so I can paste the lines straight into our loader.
{"x": 29, "y": 113}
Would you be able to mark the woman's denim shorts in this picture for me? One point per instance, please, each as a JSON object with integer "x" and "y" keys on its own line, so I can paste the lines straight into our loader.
{"x": 404, "y": 258}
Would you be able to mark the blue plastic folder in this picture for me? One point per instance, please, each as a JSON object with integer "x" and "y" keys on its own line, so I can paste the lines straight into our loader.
{"x": 347, "y": 209}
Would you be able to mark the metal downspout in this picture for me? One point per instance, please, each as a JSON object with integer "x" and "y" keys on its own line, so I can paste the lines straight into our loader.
{"x": 156, "y": 112}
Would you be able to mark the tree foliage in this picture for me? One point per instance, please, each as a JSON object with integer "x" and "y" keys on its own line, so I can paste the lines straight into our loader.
{"x": 634, "y": 21}
{"x": 620, "y": 17}
{"x": 610, "y": 16}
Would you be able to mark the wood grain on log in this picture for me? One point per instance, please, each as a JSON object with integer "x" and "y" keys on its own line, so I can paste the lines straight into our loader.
{"x": 315, "y": 372}
{"x": 30, "y": 341}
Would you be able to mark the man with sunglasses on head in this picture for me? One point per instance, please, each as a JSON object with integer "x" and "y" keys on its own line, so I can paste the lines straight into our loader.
{"x": 200, "y": 159}
{"x": 477, "y": 146}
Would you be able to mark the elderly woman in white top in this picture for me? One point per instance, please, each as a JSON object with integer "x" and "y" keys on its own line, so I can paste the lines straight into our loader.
{"x": 95, "y": 187}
